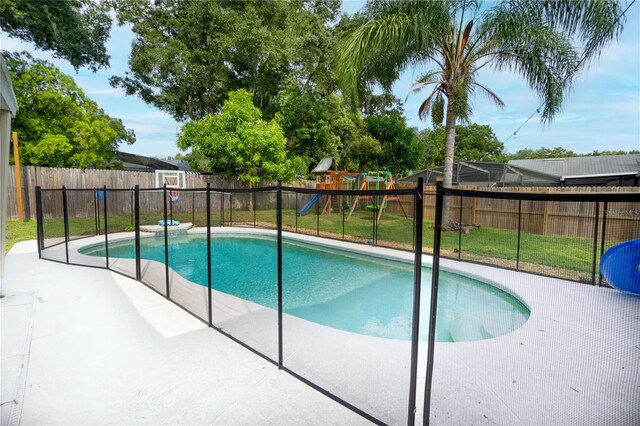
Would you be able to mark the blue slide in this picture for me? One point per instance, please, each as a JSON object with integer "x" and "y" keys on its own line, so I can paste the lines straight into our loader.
{"x": 310, "y": 203}
{"x": 620, "y": 265}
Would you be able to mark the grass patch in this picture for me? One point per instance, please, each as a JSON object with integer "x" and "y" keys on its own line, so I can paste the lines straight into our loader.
{"x": 19, "y": 231}
{"x": 566, "y": 257}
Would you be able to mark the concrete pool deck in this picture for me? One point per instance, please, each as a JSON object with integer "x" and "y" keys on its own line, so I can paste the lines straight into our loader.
{"x": 101, "y": 348}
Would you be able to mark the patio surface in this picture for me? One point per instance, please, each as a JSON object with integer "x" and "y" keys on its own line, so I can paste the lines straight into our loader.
{"x": 96, "y": 347}
{"x": 89, "y": 346}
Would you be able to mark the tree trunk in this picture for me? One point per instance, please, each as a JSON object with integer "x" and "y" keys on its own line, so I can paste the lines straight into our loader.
{"x": 250, "y": 206}
{"x": 449, "y": 144}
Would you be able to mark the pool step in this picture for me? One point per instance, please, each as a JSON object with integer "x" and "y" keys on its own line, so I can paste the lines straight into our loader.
{"x": 498, "y": 323}
{"x": 171, "y": 230}
{"x": 472, "y": 326}
{"x": 468, "y": 327}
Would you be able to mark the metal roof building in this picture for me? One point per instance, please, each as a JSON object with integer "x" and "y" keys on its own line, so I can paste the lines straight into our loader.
{"x": 142, "y": 163}
{"x": 481, "y": 173}
{"x": 605, "y": 170}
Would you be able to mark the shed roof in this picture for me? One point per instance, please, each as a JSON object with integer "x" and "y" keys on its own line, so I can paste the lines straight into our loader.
{"x": 482, "y": 173}
{"x": 573, "y": 167}
{"x": 141, "y": 162}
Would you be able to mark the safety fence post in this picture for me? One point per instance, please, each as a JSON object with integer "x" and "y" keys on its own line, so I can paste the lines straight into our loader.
{"x": 209, "y": 272}
{"x": 605, "y": 213}
{"x": 96, "y": 214}
{"x": 318, "y": 217}
{"x": 417, "y": 283}
{"x": 106, "y": 224}
{"x": 519, "y": 234}
{"x": 435, "y": 272}
{"x": 460, "y": 229}
{"x": 595, "y": 244}
{"x": 65, "y": 220}
{"x": 166, "y": 240}
{"x": 279, "y": 244}
{"x": 39, "y": 216}
{"x": 136, "y": 221}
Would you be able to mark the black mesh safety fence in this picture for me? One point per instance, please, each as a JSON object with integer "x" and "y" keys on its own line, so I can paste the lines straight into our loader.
{"x": 52, "y": 239}
{"x": 291, "y": 205}
{"x": 304, "y": 278}
{"x": 181, "y": 237}
{"x": 359, "y": 218}
{"x": 244, "y": 276}
{"x": 118, "y": 207}
{"x": 555, "y": 238}
{"x": 82, "y": 213}
{"x": 521, "y": 320}
{"x": 188, "y": 206}
{"x": 84, "y": 221}
{"x": 620, "y": 231}
{"x": 347, "y": 317}
{"x": 394, "y": 222}
{"x": 154, "y": 211}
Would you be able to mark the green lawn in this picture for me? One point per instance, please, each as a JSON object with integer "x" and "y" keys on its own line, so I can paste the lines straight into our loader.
{"x": 19, "y": 231}
{"x": 553, "y": 255}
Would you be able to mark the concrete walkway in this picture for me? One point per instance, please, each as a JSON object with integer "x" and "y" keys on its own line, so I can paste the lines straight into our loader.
{"x": 88, "y": 346}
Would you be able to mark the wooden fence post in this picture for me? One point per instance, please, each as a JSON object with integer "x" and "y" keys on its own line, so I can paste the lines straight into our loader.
{"x": 545, "y": 215}
{"x": 16, "y": 161}
{"x": 474, "y": 206}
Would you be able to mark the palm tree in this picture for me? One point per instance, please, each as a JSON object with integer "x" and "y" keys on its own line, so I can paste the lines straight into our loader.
{"x": 458, "y": 38}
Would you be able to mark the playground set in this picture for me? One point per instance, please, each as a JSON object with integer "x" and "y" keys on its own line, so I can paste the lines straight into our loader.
{"x": 328, "y": 177}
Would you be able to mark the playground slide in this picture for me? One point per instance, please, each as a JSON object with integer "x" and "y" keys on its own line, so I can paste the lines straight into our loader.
{"x": 620, "y": 265}
{"x": 307, "y": 206}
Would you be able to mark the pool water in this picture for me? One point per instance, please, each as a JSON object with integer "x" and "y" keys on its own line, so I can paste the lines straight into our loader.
{"x": 352, "y": 292}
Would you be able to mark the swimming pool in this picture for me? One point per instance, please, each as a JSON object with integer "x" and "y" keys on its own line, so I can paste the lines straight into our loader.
{"x": 337, "y": 288}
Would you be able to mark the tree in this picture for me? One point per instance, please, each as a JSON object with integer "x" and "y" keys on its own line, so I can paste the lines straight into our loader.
{"x": 366, "y": 153}
{"x": 619, "y": 152}
{"x": 316, "y": 125}
{"x": 58, "y": 125}
{"x": 473, "y": 143}
{"x": 187, "y": 55}
{"x": 237, "y": 142}
{"x": 75, "y": 30}
{"x": 383, "y": 104}
{"x": 529, "y": 37}
{"x": 401, "y": 150}
{"x": 557, "y": 152}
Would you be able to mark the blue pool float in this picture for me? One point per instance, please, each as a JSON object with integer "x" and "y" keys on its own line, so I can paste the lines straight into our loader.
{"x": 620, "y": 265}
{"x": 169, "y": 222}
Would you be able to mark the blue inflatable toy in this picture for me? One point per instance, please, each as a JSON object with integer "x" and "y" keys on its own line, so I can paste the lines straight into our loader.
{"x": 620, "y": 265}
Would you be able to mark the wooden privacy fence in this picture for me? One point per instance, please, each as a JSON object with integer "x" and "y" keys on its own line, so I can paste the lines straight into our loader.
{"x": 83, "y": 203}
{"x": 537, "y": 217}
{"x": 570, "y": 219}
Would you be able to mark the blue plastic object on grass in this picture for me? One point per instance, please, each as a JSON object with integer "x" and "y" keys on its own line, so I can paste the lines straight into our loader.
{"x": 620, "y": 265}
{"x": 100, "y": 194}
{"x": 310, "y": 203}
{"x": 169, "y": 222}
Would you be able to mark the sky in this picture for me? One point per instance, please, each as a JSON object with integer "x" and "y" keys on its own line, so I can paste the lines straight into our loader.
{"x": 602, "y": 112}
